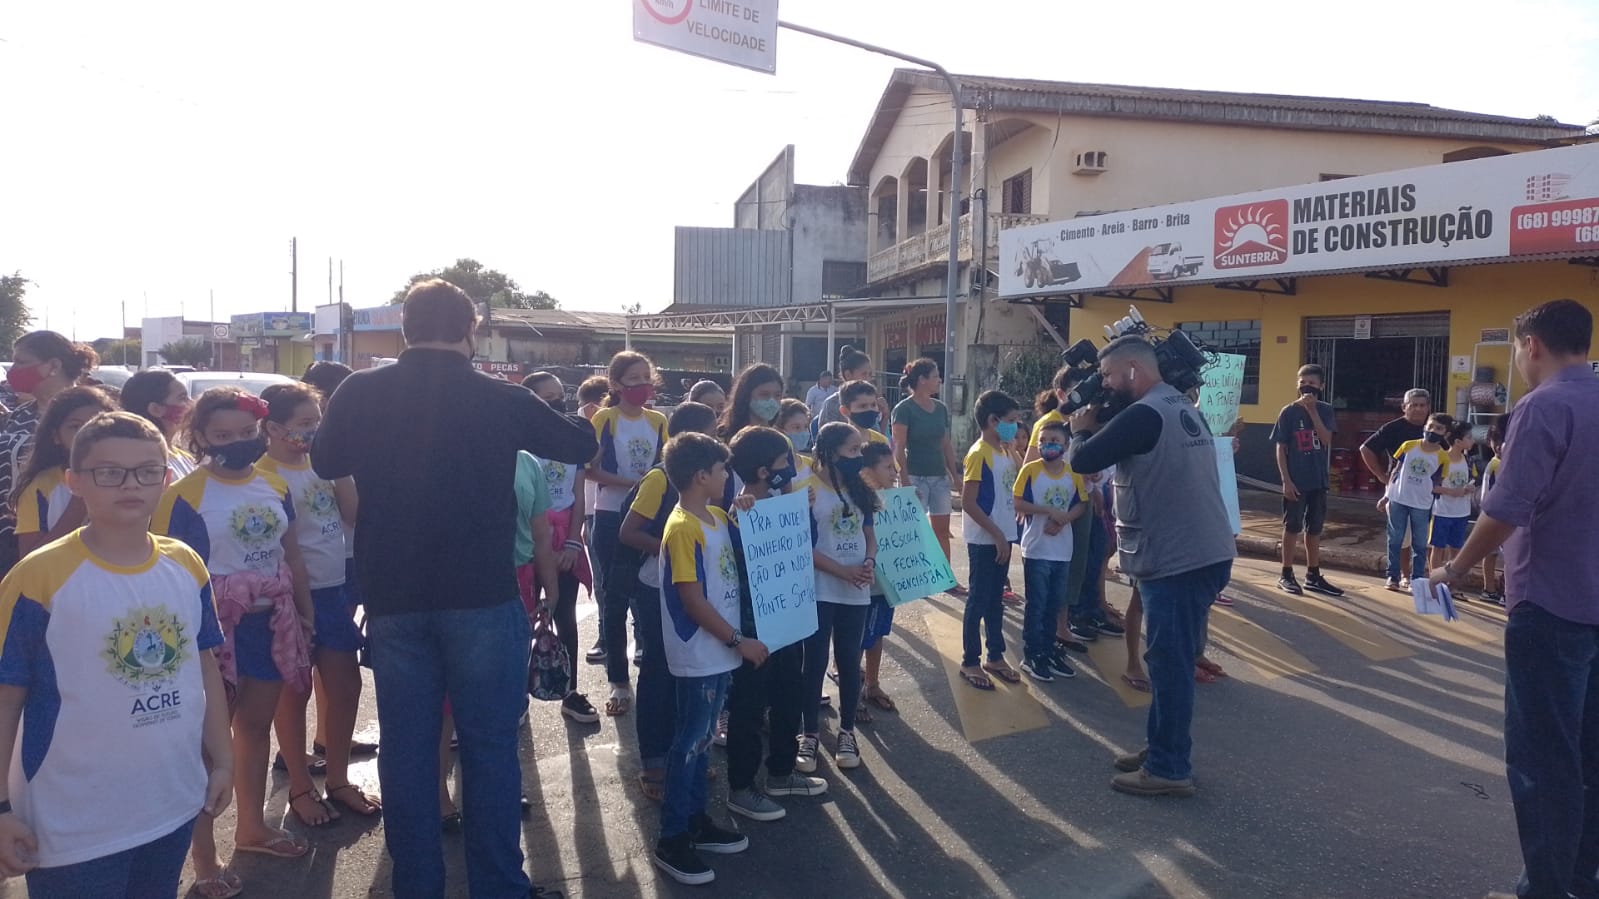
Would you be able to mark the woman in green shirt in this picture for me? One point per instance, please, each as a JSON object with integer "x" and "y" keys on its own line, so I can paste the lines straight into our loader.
{"x": 923, "y": 452}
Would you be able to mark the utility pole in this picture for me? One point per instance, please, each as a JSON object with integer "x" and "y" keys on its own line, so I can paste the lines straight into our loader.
{"x": 213, "y": 316}
{"x": 330, "y": 279}
{"x": 294, "y": 274}
{"x": 124, "y": 333}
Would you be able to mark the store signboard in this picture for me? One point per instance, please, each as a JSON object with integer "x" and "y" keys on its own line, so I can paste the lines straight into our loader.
{"x": 1517, "y": 206}
{"x": 379, "y": 318}
{"x": 1362, "y": 327}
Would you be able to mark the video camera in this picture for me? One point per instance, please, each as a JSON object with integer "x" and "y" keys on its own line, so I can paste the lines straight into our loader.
{"x": 1180, "y": 357}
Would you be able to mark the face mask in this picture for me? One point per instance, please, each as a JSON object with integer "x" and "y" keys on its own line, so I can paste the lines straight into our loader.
{"x": 300, "y": 441}
{"x": 558, "y": 404}
{"x": 173, "y": 415}
{"x": 765, "y": 409}
{"x": 780, "y": 476}
{"x": 849, "y": 467}
{"x": 25, "y": 378}
{"x": 1308, "y": 390}
{"x": 1051, "y": 451}
{"x": 867, "y": 419}
{"x": 240, "y": 453}
{"x": 1434, "y": 437}
{"x": 1006, "y": 430}
{"x": 800, "y": 440}
{"x": 638, "y": 394}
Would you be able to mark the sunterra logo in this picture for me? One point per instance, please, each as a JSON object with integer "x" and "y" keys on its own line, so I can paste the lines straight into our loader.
{"x": 1252, "y": 235}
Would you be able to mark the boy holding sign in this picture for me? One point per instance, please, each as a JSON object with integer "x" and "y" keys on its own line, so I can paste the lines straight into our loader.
{"x": 1050, "y": 496}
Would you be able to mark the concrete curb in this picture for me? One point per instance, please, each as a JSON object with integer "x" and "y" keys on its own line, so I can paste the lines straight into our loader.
{"x": 1344, "y": 558}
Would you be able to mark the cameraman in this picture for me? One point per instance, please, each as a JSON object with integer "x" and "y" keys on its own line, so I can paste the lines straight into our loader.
{"x": 1174, "y": 537}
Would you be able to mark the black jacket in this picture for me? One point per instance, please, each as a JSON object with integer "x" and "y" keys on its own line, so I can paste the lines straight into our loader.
{"x": 432, "y": 445}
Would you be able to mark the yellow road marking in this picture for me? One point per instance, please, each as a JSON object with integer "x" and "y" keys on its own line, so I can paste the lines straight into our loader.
{"x": 1109, "y": 657}
{"x": 1345, "y": 627}
{"x": 1264, "y": 652}
{"x": 1470, "y": 630}
{"x": 1008, "y": 709}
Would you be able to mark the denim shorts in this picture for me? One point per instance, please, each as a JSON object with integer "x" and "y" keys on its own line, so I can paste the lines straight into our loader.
{"x": 252, "y": 647}
{"x": 333, "y": 613}
{"x": 1448, "y": 533}
{"x": 933, "y": 493}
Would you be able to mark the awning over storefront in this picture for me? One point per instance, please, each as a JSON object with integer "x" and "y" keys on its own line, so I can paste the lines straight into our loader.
{"x": 1410, "y": 225}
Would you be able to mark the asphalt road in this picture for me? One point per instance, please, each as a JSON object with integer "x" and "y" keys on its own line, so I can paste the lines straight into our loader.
{"x": 1355, "y": 752}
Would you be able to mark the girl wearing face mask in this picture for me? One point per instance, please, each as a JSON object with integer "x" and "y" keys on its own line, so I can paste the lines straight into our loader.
{"x": 43, "y": 363}
{"x": 164, "y": 401}
{"x": 238, "y": 519}
{"x": 794, "y": 421}
{"x": 842, "y": 505}
{"x": 1420, "y": 468}
{"x": 757, "y": 401}
{"x": 46, "y": 509}
{"x": 630, "y": 438}
{"x": 322, "y": 510}
{"x": 988, "y": 511}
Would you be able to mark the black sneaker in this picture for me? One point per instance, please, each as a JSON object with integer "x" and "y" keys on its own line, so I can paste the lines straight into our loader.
{"x": 577, "y": 707}
{"x": 1107, "y": 629}
{"x": 1086, "y": 631}
{"x": 1493, "y": 596}
{"x": 1318, "y": 584}
{"x": 1290, "y": 584}
{"x": 1060, "y": 667}
{"x": 538, "y": 892}
{"x": 1038, "y": 671}
{"x": 705, "y": 836}
{"x": 1061, "y": 646}
{"x": 678, "y": 859}
{"x": 595, "y": 656}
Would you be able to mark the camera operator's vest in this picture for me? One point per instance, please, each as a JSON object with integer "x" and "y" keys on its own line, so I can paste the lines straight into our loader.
{"x": 1169, "y": 513}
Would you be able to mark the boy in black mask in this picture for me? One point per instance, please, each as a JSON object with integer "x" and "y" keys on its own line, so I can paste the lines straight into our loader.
{"x": 1303, "y": 435}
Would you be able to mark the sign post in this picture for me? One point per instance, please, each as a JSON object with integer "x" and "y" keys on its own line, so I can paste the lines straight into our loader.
{"x": 742, "y": 33}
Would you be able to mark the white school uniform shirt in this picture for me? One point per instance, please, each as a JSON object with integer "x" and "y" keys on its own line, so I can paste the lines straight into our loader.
{"x": 235, "y": 526}
{"x": 1036, "y": 485}
{"x": 837, "y": 532}
{"x": 1419, "y": 468}
{"x": 42, "y": 502}
{"x": 318, "y": 526}
{"x": 1458, "y": 475}
{"x": 561, "y": 478}
{"x": 994, "y": 472}
{"x": 628, "y": 447}
{"x": 693, "y": 551}
{"x": 108, "y": 753}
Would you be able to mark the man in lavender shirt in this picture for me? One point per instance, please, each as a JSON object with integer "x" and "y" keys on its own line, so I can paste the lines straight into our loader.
{"x": 1542, "y": 509}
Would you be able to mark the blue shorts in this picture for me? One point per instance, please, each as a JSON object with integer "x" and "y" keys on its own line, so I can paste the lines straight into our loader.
{"x": 350, "y": 588}
{"x": 879, "y": 622}
{"x": 333, "y": 614}
{"x": 1448, "y": 533}
{"x": 152, "y": 869}
{"x": 252, "y": 647}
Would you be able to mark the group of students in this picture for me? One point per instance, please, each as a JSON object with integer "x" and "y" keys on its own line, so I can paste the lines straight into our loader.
{"x": 183, "y": 582}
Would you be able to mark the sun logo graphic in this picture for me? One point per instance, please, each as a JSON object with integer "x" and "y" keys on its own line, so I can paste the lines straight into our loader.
{"x": 845, "y": 525}
{"x": 1251, "y": 235}
{"x": 1056, "y": 498}
{"x": 1420, "y": 467}
{"x": 146, "y": 648}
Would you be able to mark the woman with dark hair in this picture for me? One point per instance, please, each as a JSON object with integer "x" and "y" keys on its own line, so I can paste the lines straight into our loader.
{"x": 923, "y": 452}
{"x": 43, "y": 363}
{"x": 326, "y": 377}
{"x": 757, "y": 398}
{"x": 160, "y": 397}
{"x": 708, "y": 393}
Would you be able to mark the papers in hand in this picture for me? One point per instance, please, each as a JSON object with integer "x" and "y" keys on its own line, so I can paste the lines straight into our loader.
{"x": 1432, "y": 600}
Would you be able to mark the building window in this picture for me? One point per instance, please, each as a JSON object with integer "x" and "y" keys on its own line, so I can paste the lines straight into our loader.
{"x": 842, "y": 279}
{"x": 1016, "y": 194}
{"x": 1241, "y": 338}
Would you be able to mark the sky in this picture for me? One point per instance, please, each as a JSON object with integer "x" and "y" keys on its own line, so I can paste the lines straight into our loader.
{"x": 158, "y": 154}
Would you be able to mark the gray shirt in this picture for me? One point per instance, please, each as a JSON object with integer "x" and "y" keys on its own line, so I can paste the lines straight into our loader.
{"x": 1307, "y": 458}
{"x": 817, "y": 395}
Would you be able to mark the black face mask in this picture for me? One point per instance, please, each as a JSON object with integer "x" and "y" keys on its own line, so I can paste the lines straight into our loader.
{"x": 777, "y": 477}
{"x": 1434, "y": 437}
{"x": 560, "y": 405}
{"x": 1308, "y": 390}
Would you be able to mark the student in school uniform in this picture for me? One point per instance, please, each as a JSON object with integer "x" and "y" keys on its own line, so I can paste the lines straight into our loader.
{"x": 164, "y": 401}
{"x": 793, "y": 420}
{"x": 1050, "y": 496}
{"x": 988, "y": 523}
{"x": 46, "y": 507}
{"x": 1451, "y": 505}
{"x": 1419, "y": 467}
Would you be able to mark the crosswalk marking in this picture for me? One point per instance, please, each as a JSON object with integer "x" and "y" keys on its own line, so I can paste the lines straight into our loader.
{"x": 1109, "y": 658}
{"x": 1008, "y": 709}
{"x": 1345, "y": 627}
{"x": 1267, "y": 654}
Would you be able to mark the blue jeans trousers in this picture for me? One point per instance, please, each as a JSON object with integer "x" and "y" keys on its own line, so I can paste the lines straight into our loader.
{"x": 1176, "y": 610}
{"x": 1046, "y": 582}
{"x": 1095, "y": 543}
{"x": 1552, "y": 751}
{"x": 150, "y": 871}
{"x": 1419, "y": 522}
{"x": 656, "y": 705}
{"x": 478, "y": 658}
{"x": 699, "y": 701}
{"x": 841, "y": 627}
{"x": 984, "y": 609}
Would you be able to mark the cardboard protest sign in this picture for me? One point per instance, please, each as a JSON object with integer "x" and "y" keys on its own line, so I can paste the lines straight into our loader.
{"x": 910, "y": 564}
{"x": 1229, "y": 482}
{"x": 1218, "y": 398}
{"x": 777, "y": 553}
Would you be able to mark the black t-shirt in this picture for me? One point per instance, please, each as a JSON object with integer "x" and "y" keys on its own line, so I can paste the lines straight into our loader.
{"x": 1390, "y": 436}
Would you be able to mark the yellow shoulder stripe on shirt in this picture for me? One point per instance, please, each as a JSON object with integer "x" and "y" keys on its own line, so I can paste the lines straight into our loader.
{"x": 190, "y": 489}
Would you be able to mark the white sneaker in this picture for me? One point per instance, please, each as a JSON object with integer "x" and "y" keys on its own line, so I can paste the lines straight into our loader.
{"x": 805, "y": 759}
{"x": 847, "y": 755}
{"x": 795, "y": 785}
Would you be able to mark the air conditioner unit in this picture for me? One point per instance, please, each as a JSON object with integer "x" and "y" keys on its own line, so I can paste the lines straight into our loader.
{"x": 1089, "y": 162}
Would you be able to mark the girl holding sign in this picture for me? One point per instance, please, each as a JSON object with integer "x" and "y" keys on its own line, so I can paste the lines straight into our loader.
{"x": 846, "y": 560}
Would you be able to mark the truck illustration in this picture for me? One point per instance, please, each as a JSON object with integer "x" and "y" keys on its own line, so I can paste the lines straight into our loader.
{"x": 1037, "y": 265}
{"x": 1166, "y": 261}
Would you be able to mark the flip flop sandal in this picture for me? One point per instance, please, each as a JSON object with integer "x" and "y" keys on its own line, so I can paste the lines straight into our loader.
{"x": 322, "y": 802}
{"x": 1006, "y": 674}
{"x": 367, "y": 807}
{"x": 289, "y": 847}
{"x": 318, "y": 767}
{"x": 877, "y": 697}
{"x": 652, "y": 785}
{"x": 863, "y": 715}
{"x": 620, "y": 703}
{"x": 1212, "y": 667}
{"x": 225, "y": 885}
{"x": 979, "y": 681}
{"x": 957, "y": 591}
{"x": 832, "y": 675}
{"x": 1201, "y": 676}
{"x": 1141, "y": 684}
{"x": 357, "y": 747}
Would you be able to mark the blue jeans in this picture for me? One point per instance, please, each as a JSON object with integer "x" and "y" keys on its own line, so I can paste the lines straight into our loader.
{"x": 842, "y": 626}
{"x": 1046, "y": 582}
{"x": 149, "y": 871}
{"x": 656, "y": 705}
{"x": 1552, "y": 747}
{"x": 603, "y": 544}
{"x": 478, "y": 658}
{"x": 1401, "y": 516}
{"x": 1176, "y": 612}
{"x": 1097, "y": 542}
{"x": 984, "y": 609}
{"x": 699, "y": 701}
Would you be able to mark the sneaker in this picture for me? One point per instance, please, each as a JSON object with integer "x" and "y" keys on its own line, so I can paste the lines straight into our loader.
{"x": 1142, "y": 783}
{"x": 1290, "y": 584}
{"x": 826, "y": 701}
{"x": 1404, "y": 584}
{"x": 1059, "y": 667}
{"x": 720, "y": 737}
{"x": 847, "y": 755}
{"x": 577, "y": 707}
{"x": 1495, "y": 597}
{"x": 1107, "y": 629}
{"x": 676, "y": 856}
{"x": 795, "y": 785}
{"x": 596, "y": 656}
{"x": 538, "y": 892}
{"x": 1038, "y": 671}
{"x": 805, "y": 759}
{"x": 1224, "y": 601}
{"x": 1131, "y": 761}
{"x": 754, "y": 805}
{"x": 706, "y": 836}
{"x": 1085, "y": 632}
{"x": 1318, "y": 584}
{"x": 1074, "y": 645}
{"x": 1393, "y": 584}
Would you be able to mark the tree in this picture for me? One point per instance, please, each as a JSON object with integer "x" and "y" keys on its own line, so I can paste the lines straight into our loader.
{"x": 632, "y": 308}
{"x": 188, "y": 351}
{"x": 483, "y": 285}
{"x": 14, "y": 314}
{"x": 116, "y": 352}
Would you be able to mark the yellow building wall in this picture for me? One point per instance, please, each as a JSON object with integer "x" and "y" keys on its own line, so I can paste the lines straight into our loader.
{"x": 1478, "y": 297}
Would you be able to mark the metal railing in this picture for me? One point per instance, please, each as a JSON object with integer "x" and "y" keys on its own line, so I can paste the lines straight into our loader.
{"x": 931, "y": 247}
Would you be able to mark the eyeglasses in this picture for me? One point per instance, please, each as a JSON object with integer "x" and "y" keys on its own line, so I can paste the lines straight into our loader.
{"x": 116, "y": 476}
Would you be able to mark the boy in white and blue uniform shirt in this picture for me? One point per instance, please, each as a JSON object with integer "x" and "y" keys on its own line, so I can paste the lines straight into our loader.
{"x": 1419, "y": 467}
{"x": 1050, "y": 496}
{"x": 1451, "y": 506}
